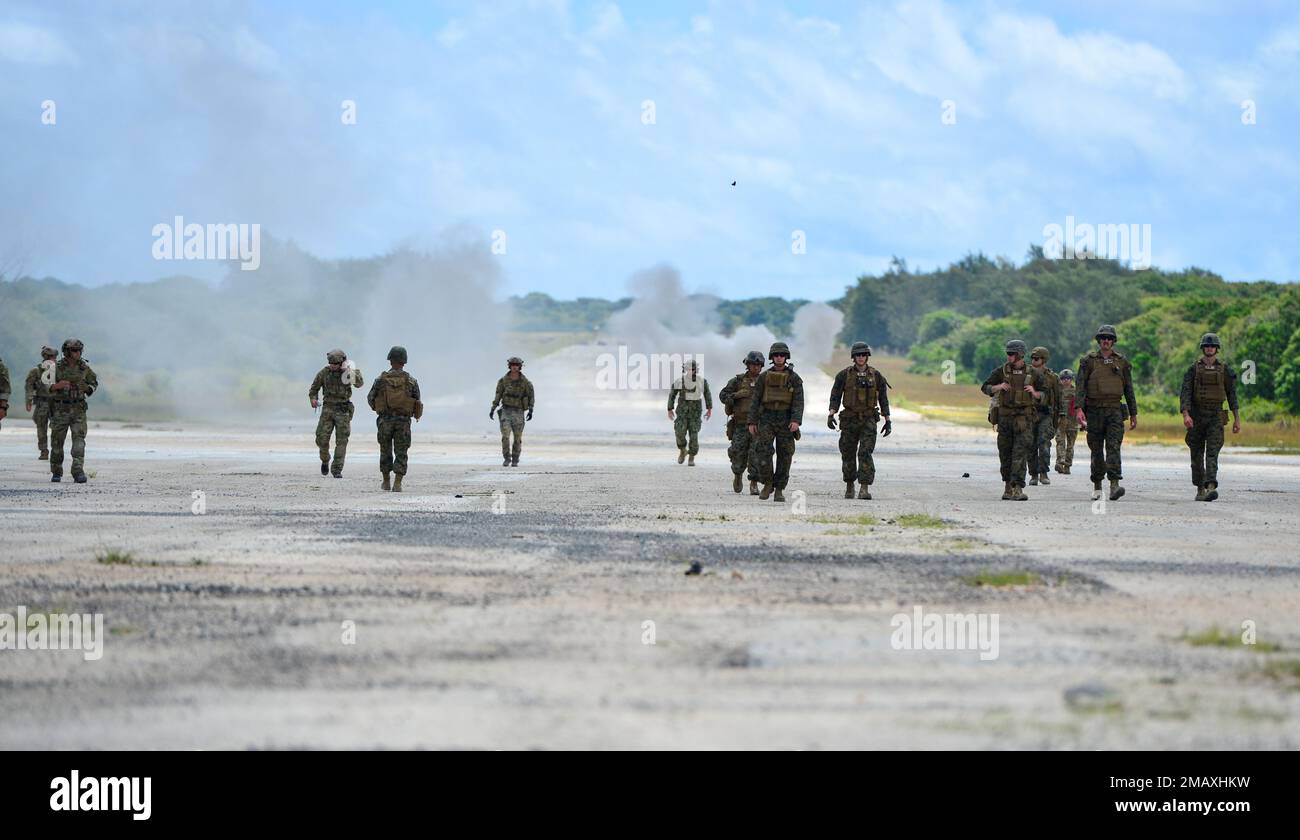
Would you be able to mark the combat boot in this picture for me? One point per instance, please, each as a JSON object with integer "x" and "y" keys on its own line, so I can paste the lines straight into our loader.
{"x": 1043, "y": 479}
{"x": 863, "y": 492}
{"x": 1200, "y": 493}
{"x": 336, "y": 469}
{"x": 1018, "y": 493}
{"x": 397, "y": 483}
{"x": 1033, "y": 480}
{"x": 848, "y": 489}
{"x": 386, "y": 485}
{"x": 1115, "y": 490}
{"x": 1006, "y": 491}
{"x": 1211, "y": 491}
{"x": 1065, "y": 470}
{"x": 736, "y": 482}
{"x": 514, "y": 460}
{"x": 767, "y": 491}
{"x": 681, "y": 455}
{"x": 753, "y": 488}
{"x": 779, "y": 497}
{"x": 80, "y": 477}
{"x": 324, "y": 467}
{"x": 1096, "y": 490}
{"x": 45, "y": 455}
{"x": 56, "y": 477}
{"x": 690, "y": 461}
{"x": 505, "y": 462}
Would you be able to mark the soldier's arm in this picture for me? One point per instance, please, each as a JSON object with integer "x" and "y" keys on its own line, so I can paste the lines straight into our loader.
{"x": 316, "y": 385}
{"x": 532, "y": 395}
{"x": 1081, "y": 386}
{"x": 672, "y": 395}
{"x": 414, "y": 390}
{"x": 726, "y": 395}
{"x": 1128, "y": 390}
{"x": 756, "y": 399}
{"x": 4, "y": 384}
{"x": 1230, "y": 386}
{"x": 796, "y": 402}
{"x": 708, "y": 398}
{"x": 360, "y": 381}
{"x": 837, "y": 391}
{"x": 32, "y": 378}
{"x": 882, "y": 390}
{"x": 370, "y": 397}
{"x": 995, "y": 378}
{"x": 1185, "y": 394}
{"x": 89, "y": 383}
{"x": 501, "y": 390}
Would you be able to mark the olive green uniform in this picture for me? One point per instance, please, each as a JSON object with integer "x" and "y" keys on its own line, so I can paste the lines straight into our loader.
{"x": 1016, "y": 411}
{"x": 735, "y": 397}
{"x": 1067, "y": 427}
{"x": 685, "y": 398}
{"x": 394, "y": 396}
{"x": 335, "y": 413}
{"x": 1205, "y": 388}
{"x": 38, "y": 394}
{"x": 68, "y": 413}
{"x": 777, "y": 402}
{"x": 4, "y": 386}
{"x": 1104, "y": 390}
{"x": 516, "y": 398}
{"x": 863, "y": 394}
{"x": 1045, "y": 423}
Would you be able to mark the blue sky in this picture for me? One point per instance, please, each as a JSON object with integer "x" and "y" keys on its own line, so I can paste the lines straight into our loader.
{"x": 528, "y": 118}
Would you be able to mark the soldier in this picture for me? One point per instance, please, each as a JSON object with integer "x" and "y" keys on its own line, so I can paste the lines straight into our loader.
{"x": 1105, "y": 378}
{"x": 395, "y": 397}
{"x": 1019, "y": 390}
{"x": 691, "y": 386}
{"x": 735, "y": 398}
{"x": 515, "y": 396}
{"x": 1045, "y": 419}
{"x": 73, "y": 382}
{"x": 860, "y": 388}
{"x": 1067, "y": 427}
{"x": 4, "y": 390}
{"x": 1207, "y": 383}
{"x": 38, "y": 400}
{"x": 337, "y": 381}
{"x": 775, "y": 414}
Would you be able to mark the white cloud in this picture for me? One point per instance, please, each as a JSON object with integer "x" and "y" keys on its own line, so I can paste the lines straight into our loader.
{"x": 26, "y": 44}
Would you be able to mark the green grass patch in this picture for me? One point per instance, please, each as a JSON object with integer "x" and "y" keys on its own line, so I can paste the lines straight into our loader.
{"x": 863, "y": 519}
{"x": 920, "y": 520}
{"x": 1283, "y": 670}
{"x": 843, "y": 532}
{"x": 1217, "y": 637}
{"x": 1005, "y": 578}
{"x": 114, "y": 557}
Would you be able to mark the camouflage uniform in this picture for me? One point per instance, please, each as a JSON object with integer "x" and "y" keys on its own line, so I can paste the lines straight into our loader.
{"x": 335, "y": 414}
{"x": 735, "y": 396}
{"x": 394, "y": 425}
{"x": 68, "y": 414}
{"x": 777, "y": 402}
{"x": 1067, "y": 428}
{"x": 4, "y": 386}
{"x": 516, "y": 398}
{"x": 860, "y": 392}
{"x": 1102, "y": 383}
{"x": 1045, "y": 421}
{"x": 1016, "y": 412}
{"x": 684, "y": 398}
{"x": 1205, "y": 387}
{"x": 38, "y": 394}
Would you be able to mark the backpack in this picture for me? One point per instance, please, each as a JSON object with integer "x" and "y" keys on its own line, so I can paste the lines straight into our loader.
{"x": 394, "y": 394}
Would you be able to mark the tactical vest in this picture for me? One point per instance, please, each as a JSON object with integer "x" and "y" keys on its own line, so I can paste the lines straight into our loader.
{"x": 393, "y": 395}
{"x": 1105, "y": 381}
{"x": 1067, "y": 394}
{"x": 1016, "y": 399}
{"x": 778, "y": 392}
{"x": 514, "y": 394}
{"x": 1209, "y": 388}
{"x": 76, "y": 374}
{"x": 40, "y": 391}
{"x": 859, "y": 390}
{"x": 334, "y": 389}
{"x": 740, "y": 401}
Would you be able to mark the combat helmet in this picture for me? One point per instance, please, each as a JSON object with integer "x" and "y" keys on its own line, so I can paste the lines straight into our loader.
{"x": 1015, "y": 345}
{"x": 514, "y": 360}
{"x": 781, "y": 348}
{"x": 336, "y": 357}
{"x": 48, "y": 352}
{"x": 753, "y": 357}
{"x": 397, "y": 354}
{"x": 1106, "y": 331}
{"x": 1210, "y": 340}
{"x": 1040, "y": 353}
{"x": 73, "y": 344}
{"x": 858, "y": 348}
{"x": 1066, "y": 373}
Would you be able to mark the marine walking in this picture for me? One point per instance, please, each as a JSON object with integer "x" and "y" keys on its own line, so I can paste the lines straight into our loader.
{"x": 735, "y": 397}
{"x": 74, "y": 382}
{"x": 1207, "y": 384}
{"x": 1018, "y": 390}
{"x": 39, "y": 380}
{"x": 862, "y": 391}
{"x": 1103, "y": 398}
{"x": 516, "y": 397}
{"x": 331, "y": 391}
{"x": 689, "y": 391}
{"x": 395, "y": 397}
{"x": 775, "y": 415}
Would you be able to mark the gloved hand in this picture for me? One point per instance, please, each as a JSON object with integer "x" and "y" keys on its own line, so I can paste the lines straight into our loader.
{"x": 889, "y": 427}
{"x": 830, "y": 420}
{"x": 491, "y": 413}
{"x": 530, "y": 415}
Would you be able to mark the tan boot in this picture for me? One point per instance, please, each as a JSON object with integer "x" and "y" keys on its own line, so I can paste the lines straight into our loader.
{"x": 1043, "y": 479}
{"x": 779, "y": 497}
{"x": 1018, "y": 493}
{"x": 1200, "y": 493}
{"x": 737, "y": 483}
{"x": 397, "y": 484}
{"x": 767, "y": 491}
{"x": 386, "y": 485}
{"x": 1006, "y": 491}
{"x": 1033, "y": 480}
{"x": 1115, "y": 490}
{"x": 1096, "y": 490}
{"x": 753, "y": 488}
{"x": 681, "y": 455}
{"x": 45, "y": 455}
{"x": 1211, "y": 491}
{"x": 863, "y": 492}
{"x": 848, "y": 489}
{"x": 690, "y": 460}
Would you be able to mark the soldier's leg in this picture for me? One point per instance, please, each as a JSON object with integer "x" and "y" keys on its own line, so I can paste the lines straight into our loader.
{"x": 1213, "y": 443}
{"x": 849, "y": 435}
{"x": 1022, "y": 448}
{"x": 59, "y": 422}
{"x": 342, "y": 431}
{"x": 866, "y": 450}
{"x": 764, "y": 444}
{"x": 41, "y": 416}
{"x": 693, "y": 427}
{"x": 1195, "y": 438}
{"x": 504, "y": 423}
{"x": 401, "y": 443}
{"x": 1043, "y": 442}
{"x": 738, "y": 449}
{"x": 1114, "y": 440}
{"x": 751, "y": 457}
{"x": 1060, "y": 445}
{"x": 517, "y": 427}
{"x": 784, "y": 455}
{"x": 1097, "y": 444}
{"x": 78, "y": 429}
{"x": 324, "y": 426}
{"x": 1006, "y": 439}
{"x": 385, "y": 428}
{"x": 679, "y": 428}
{"x": 1071, "y": 435}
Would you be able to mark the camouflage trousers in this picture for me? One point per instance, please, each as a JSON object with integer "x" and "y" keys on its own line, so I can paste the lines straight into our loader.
{"x": 1105, "y": 437}
{"x": 41, "y": 417}
{"x": 336, "y": 419}
{"x": 1015, "y": 445}
{"x": 741, "y": 452}
{"x": 1205, "y": 439}
{"x": 394, "y": 440}
{"x": 64, "y": 418}
{"x": 1067, "y": 429}
{"x": 1044, "y": 432}
{"x": 512, "y": 422}
{"x": 857, "y": 443}
{"x": 687, "y": 426}
{"x": 774, "y": 433}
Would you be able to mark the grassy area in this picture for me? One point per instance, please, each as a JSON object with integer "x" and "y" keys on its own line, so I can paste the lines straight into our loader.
{"x": 1284, "y": 671}
{"x": 1005, "y": 578}
{"x": 920, "y": 520}
{"x": 1217, "y": 637}
{"x": 864, "y": 519}
{"x": 114, "y": 557}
